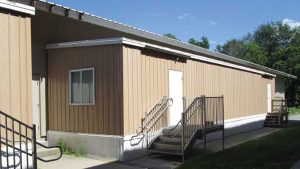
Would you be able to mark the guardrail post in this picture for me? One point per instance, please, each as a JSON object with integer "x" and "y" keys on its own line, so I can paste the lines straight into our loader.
{"x": 182, "y": 135}
{"x": 184, "y": 103}
{"x": 147, "y": 145}
{"x": 223, "y": 132}
{"x": 204, "y": 127}
{"x": 142, "y": 124}
{"x": 34, "y": 156}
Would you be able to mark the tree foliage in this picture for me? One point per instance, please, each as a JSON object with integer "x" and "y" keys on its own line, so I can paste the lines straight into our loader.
{"x": 204, "y": 43}
{"x": 275, "y": 45}
{"x": 170, "y": 35}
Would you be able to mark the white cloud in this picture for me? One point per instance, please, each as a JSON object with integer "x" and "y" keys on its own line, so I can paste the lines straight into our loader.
{"x": 211, "y": 22}
{"x": 291, "y": 23}
{"x": 185, "y": 16}
{"x": 214, "y": 42}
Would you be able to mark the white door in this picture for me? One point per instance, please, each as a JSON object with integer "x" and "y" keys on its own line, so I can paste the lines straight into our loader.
{"x": 36, "y": 109}
{"x": 269, "y": 97}
{"x": 176, "y": 93}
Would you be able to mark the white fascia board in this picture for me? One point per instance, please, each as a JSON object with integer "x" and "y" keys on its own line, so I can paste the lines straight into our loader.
{"x": 97, "y": 42}
{"x": 218, "y": 62}
{"x": 131, "y": 42}
{"x": 17, "y": 7}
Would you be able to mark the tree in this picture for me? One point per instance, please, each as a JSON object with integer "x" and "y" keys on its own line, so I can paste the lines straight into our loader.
{"x": 275, "y": 45}
{"x": 231, "y": 47}
{"x": 253, "y": 53}
{"x": 170, "y": 35}
{"x": 204, "y": 43}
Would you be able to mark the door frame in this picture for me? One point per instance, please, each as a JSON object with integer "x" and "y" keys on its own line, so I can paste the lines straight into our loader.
{"x": 42, "y": 107}
{"x": 269, "y": 97}
{"x": 174, "y": 70}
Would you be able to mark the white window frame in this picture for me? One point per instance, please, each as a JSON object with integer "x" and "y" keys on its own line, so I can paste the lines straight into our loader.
{"x": 70, "y": 86}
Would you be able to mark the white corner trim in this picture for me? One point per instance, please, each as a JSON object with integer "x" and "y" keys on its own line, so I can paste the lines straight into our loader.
{"x": 17, "y": 7}
{"x": 127, "y": 41}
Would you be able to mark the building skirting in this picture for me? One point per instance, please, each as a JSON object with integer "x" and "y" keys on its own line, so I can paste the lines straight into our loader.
{"x": 94, "y": 144}
{"x": 119, "y": 147}
{"x": 239, "y": 125}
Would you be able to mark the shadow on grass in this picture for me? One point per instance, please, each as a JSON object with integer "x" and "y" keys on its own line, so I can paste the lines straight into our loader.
{"x": 279, "y": 150}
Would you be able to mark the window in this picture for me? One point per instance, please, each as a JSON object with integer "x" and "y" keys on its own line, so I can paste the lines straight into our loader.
{"x": 82, "y": 86}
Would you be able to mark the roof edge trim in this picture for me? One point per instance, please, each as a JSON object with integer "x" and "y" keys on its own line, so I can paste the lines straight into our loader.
{"x": 17, "y": 7}
{"x": 110, "y": 24}
{"x": 131, "y": 42}
{"x": 96, "y": 42}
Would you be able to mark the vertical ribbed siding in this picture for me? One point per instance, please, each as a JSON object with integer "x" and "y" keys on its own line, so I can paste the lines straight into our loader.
{"x": 145, "y": 80}
{"x": 15, "y": 66}
{"x": 105, "y": 117}
{"x": 244, "y": 93}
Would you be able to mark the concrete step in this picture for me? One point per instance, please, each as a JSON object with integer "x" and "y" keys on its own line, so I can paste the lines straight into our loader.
{"x": 171, "y": 140}
{"x": 172, "y": 132}
{"x": 165, "y": 151}
{"x": 166, "y": 146}
{"x": 44, "y": 152}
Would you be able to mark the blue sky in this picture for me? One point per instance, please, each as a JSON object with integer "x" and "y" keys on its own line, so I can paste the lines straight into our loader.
{"x": 219, "y": 20}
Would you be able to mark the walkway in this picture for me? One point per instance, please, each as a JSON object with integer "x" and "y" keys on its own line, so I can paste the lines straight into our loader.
{"x": 166, "y": 162}
{"x": 158, "y": 161}
{"x": 73, "y": 162}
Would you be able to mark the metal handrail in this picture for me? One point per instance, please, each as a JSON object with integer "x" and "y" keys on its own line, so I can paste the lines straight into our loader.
{"x": 187, "y": 124}
{"x": 156, "y": 120}
{"x": 148, "y": 114}
{"x": 282, "y": 108}
{"x": 29, "y": 139}
{"x": 148, "y": 119}
{"x": 180, "y": 122}
{"x": 16, "y": 120}
{"x": 50, "y": 147}
{"x": 15, "y": 132}
{"x": 152, "y": 130}
{"x": 171, "y": 129}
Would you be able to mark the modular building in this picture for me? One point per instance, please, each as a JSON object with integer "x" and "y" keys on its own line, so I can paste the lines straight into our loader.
{"x": 89, "y": 80}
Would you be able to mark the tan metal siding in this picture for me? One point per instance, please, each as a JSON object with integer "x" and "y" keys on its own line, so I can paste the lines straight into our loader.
{"x": 15, "y": 69}
{"x": 145, "y": 80}
{"x": 105, "y": 117}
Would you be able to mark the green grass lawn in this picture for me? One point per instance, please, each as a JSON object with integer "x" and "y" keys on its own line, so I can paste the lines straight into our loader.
{"x": 279, "y": 150}
{"x": 294, "y": 110}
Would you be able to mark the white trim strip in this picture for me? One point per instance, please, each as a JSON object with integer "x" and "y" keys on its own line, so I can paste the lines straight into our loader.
{"x": 97, "y": 42}
{"x": 245, "y": 118}
{"x": 17, "y": 7}
{"x": 114, "y": 41}
{"x": 206, "y": 59}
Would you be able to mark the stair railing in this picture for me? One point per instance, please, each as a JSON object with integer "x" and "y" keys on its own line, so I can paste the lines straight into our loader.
{"x": 18, "y": 143}
{"x": 279, "y": 105}
{"x": 158, "y": 123}
{"x": 192, "y": 121}
{"x": 150, "y": 117}
{"x": 205, "y": 113}
{"x": 213, "y": 116}
{"x": 172, "y": 132}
